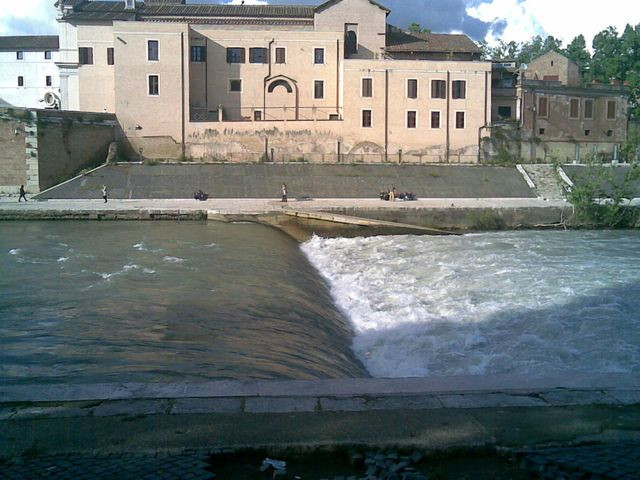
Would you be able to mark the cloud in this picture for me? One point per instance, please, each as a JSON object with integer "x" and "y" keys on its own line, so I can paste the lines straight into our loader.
{"x": 564, "y": 19}
{"x": 28, "y": 17}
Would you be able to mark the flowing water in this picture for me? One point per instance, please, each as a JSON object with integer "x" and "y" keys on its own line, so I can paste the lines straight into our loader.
{"x": 514, "y": 302}
{"x": 88, "y": 302}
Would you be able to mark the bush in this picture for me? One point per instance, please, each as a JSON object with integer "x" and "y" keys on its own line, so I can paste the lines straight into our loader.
{"x": 594, "y": 206}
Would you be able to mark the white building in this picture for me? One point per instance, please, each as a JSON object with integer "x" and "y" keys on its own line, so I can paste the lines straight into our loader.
{"x": 29, "y": 75}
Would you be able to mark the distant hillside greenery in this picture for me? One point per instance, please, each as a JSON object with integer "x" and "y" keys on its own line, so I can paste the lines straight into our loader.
{"x": 615, "y": 56}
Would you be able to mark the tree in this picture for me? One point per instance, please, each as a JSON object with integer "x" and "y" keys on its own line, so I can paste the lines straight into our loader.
{"x": 577, "y": 51}
{"x": 416, "y": 28}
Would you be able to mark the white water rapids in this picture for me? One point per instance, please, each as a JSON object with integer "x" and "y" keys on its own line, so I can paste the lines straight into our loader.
{"x": 514, "y": 302}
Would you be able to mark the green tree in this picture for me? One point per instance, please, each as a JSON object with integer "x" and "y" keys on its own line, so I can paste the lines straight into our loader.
{"x": 577, "y": 51}
{"x": 417, "y": 28}
{"x": 606, "y": 60}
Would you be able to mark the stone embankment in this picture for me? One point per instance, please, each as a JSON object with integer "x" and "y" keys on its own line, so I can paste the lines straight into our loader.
{"x": 430, "y": 413}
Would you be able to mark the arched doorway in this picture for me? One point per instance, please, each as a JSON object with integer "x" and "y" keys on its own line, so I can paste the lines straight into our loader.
{"x": 281, "y": 99}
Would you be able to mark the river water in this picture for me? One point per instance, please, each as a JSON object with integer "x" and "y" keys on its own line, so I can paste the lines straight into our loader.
{"x": 88, "y": 302}
{"x": 495, "y": 303}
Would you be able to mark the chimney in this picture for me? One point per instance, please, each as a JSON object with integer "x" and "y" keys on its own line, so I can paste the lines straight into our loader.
{"x": 129, "y": 4}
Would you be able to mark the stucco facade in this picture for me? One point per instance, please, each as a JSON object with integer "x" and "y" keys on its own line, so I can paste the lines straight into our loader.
{"x": 28, "y": 71}
{"x": 176, "y": 73}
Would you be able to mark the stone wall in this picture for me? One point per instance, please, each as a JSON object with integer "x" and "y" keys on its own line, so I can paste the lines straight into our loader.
{"x": 13, "y": 172}
{"x": 40, "y": 148}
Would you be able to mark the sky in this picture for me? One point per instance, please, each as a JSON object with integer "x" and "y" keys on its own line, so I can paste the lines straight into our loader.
{"x": 517, "y": 20}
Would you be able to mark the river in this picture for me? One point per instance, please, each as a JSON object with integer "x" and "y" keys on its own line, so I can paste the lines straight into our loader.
{"x": 90, "y": 302}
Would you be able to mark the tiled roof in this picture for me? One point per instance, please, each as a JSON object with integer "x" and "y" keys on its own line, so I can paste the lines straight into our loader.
{"x": 30, "y": 42}
{"x": 400, "y": 41}
{"x": 109, "y": 11}
{"x": 329, "y": 3}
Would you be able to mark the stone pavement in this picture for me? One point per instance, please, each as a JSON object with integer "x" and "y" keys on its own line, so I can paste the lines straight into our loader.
{"x": 117, "y": 467}
{"x": 607, "y": 461}
{"x": 610, "y": 461}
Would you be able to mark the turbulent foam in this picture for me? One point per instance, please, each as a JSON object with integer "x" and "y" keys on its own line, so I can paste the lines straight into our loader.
{"x": 526, "y": 302}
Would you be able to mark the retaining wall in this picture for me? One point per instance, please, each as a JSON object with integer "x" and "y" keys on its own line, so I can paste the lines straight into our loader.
{"x": 40, "y": 148}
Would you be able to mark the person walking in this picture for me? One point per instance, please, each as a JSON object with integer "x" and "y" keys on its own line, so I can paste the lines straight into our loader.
{"x": 284, "y": 192}
{"x": 23, "y": 194}
{"x": 104, "y": 193}
{"x": 392, "y": 194}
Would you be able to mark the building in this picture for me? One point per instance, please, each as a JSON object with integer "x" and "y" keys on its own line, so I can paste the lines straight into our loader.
{"x": 243, "y": 82}
{"x": 28, "y": 73}
{"x": 559, "y": 116}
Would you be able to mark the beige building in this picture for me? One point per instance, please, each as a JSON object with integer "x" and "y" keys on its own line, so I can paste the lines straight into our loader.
{"x": 329, "y": 83}
{"x": 558, "y": 116}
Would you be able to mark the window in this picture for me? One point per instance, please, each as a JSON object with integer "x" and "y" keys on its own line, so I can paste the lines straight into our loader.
{"x": 541, "y": 131}
{"x": 85, "y": 55}
{"x": 154, "y": 85}
{"x": 412, "y": 88}
{"x": 198, "y": 53}
{"x": 351, "y": 39}
{"x": 412, "y": 119}
{"x": 318, "y": 56}
{"x": 588, "y": 109}
{"x": 257, "y": 115}
{"x": 587, "y": 133}
{"x": 21, "y": 81}
{"x": 459, "y": 89}
{"x": 574, "y": 108}
{"x": 318, "y": 89}
{"x": 47, "y": 54}
{"x": 334, "y": 116}
{"x": 258, "y": 55}
{"x": 153, "y": 50}
{"x": 611, "y": 110}
{"x": 609, "y": 133}
{"x": 235, "y": 55}
{"x": 281, "y": 55}
{"x": 543, "y": 107}
{"x": 435, "y": 119}
{"x": 235, "y": 85}
{"x": 504, "y": 112}
{"x": 438, "y": 89}
{"x": 367, "y": 87}
{"x": 47, "y": 80}
{"x": 110, "y": 56}
{"x": 366, "y": 118}
{"x": 459, "y": 119}
{"x": 19, "y": 55}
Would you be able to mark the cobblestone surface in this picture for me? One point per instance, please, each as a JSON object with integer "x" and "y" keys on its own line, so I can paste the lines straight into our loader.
{"x": 612, "y": 461}
{"x": 120, "y": 467}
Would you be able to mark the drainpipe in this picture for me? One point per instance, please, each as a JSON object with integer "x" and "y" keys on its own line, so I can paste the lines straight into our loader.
{"x": 448, "y": 116}
{"x": 338, "y": 77}
{"x": 386, "y": 114}
{"x": 534, "y": 118}
{"x": 182, "y": 81}
{"x": 264, "y": 88}
{"x": 486, "y": 107}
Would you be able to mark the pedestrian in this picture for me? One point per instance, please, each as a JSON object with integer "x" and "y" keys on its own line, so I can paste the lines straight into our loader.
{"x": 104, "y": 193}
{"x": 392, "y": 194}
{"x": 284, "y": 192}
{"x": 23, "y": 194}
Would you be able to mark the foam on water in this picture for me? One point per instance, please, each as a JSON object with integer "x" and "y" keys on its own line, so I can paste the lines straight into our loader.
{"x": 517, "y": 302}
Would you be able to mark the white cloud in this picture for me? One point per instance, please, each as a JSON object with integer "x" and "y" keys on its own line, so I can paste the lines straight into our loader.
{"x": 564, "y": 19}
{"x": 24, "y": 17}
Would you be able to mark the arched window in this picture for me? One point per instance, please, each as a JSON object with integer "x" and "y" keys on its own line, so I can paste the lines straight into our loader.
{"x": 280, "y": 83}
{"x": 352, "y": 42}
